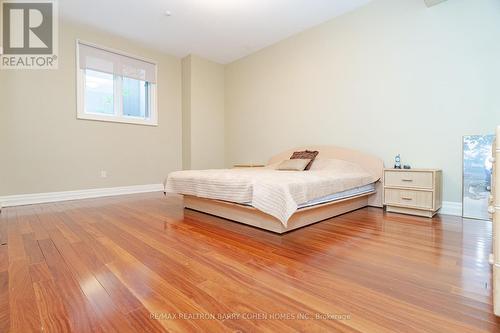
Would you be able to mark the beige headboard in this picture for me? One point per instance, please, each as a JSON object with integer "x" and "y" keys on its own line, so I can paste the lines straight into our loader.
{"x": 369, "y": 162}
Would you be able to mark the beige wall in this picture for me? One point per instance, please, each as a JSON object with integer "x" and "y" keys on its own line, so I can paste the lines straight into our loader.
{"x": 44, "y": 148}
{"x": 186, "y": 113}
{"x": 203, "y": 113}
{"x": 391, "y": 77}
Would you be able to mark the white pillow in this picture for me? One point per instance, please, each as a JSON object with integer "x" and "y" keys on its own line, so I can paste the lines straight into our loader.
{"x": 298, "y": 164}
{"x": 335, "y": 164}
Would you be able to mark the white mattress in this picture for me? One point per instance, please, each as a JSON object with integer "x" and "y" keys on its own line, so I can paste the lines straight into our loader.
{"x": 340, "y": 195}
{"x": 335, "y": 196}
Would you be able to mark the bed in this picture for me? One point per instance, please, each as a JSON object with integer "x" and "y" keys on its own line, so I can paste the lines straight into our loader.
{"x": 340, "y": 180}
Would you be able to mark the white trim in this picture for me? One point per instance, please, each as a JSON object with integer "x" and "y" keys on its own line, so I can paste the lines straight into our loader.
{"x": 38, "y": 198}
{"x": 451, "y": 208}
{"x": 448, "y": 208}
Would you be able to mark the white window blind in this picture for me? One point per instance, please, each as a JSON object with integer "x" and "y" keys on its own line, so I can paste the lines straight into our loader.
{"x": 97, "y": 59}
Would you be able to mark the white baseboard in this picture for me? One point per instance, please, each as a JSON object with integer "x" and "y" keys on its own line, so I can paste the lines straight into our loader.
{"x": 38, "y": 198}
{"x": 451, "y": 208}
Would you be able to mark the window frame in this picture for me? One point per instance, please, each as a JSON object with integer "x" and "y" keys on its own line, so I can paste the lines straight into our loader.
{"x": 118, "y": 117}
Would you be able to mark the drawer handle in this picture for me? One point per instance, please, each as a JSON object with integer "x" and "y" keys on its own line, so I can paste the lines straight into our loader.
{"x": 491, "y": 209}
{"x": 407, "y": 180}
{"x": 407, "y": 199}
{"x": 492, "y": 160}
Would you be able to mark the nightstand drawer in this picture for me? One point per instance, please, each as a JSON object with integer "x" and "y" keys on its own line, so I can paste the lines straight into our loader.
{"x": 421, "y": 179}
{"x": 409, "y": 198}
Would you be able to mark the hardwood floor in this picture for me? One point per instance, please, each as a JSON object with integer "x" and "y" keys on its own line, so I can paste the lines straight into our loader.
{"x": 140, "y": 264}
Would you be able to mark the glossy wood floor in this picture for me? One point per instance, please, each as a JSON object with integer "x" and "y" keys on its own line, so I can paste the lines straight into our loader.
{"x": 136, "y": 264}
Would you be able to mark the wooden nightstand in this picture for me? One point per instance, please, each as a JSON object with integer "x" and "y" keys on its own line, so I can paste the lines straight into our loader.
{"x": 413, "y": 191}
{"x": 248, "y": 166}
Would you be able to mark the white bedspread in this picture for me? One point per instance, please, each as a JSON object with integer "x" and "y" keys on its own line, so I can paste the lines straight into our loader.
{"x": 277, "y": 193}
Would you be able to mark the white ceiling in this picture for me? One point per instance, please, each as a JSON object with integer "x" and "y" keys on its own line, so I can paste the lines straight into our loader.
{"x": 220, "y": 30}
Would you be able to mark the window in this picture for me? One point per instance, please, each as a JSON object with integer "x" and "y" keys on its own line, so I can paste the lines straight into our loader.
{"x": 115, "y": 87}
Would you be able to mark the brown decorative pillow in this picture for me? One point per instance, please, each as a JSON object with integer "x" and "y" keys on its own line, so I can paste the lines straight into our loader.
{"x": 306, "y": 154}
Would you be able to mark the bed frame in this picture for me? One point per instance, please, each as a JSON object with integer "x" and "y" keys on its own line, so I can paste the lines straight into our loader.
{"x": 304, "y": 216}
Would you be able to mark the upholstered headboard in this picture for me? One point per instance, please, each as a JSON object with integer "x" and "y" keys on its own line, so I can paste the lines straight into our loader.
{"x": 370, "y": 163}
